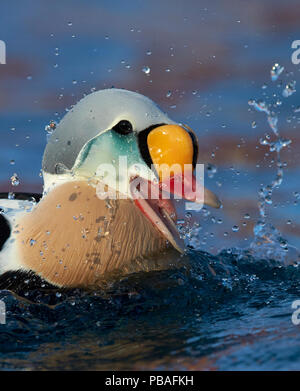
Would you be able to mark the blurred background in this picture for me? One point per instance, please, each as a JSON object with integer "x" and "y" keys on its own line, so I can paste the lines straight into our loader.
{"x": 201, "y": 61}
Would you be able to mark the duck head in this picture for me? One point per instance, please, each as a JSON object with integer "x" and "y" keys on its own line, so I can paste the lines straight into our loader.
{"x": 122, "y": 142}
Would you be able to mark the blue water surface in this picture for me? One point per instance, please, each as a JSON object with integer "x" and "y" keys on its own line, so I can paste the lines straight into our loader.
{"x": 230, "y": 309}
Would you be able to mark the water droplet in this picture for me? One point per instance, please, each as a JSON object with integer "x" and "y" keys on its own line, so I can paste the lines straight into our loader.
{"x": 235, "y": 228}
{"x": 11, "y": 196}
{"x": 168, "y": 94}
{"x": 289, "y": 89}
{"x": 211, "y": 170}
{"x": 50, "y": 127}
{"x": 297, "y": 194}
{"x": 276, "y": 71}
{"x": 259, "y": 105}
{"x": 279, "y": 144}
{"x": 297, "y": 109}
{"x": 146, "y": 70}
{"x": 15, "y": 180}
{"x": 272, "y": 121}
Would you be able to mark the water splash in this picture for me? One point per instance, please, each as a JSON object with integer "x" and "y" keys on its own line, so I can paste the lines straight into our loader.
{"x": 268, "y": 241}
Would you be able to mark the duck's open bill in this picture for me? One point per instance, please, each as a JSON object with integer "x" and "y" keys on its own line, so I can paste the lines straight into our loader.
{"x": 154, "y": 200}
{"x": 160, "y": 211}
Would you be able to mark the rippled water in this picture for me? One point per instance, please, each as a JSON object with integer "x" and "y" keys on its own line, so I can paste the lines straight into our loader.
{"x": 226, "y": 311}
{"x": 231, "y": 311}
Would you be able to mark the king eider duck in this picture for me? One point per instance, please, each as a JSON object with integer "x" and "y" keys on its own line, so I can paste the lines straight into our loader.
{"x": 94, "y": 217}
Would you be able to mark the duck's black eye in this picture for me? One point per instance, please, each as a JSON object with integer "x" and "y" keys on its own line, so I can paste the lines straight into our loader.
{"x": 123, "y": 127}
